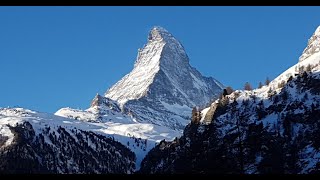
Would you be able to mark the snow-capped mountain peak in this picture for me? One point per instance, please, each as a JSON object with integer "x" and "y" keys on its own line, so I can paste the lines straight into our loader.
{"x": 154, "y": 101}
{"x": 313, "y": 45}
{"x": 163, "y": 87}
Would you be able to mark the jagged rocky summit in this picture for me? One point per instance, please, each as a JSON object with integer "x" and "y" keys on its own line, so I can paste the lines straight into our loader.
{"x": 163, "y": 87}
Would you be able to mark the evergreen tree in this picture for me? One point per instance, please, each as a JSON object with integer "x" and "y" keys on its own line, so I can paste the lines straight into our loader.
{"x": 199, "y": 116}
{"x": 267, "y": 82}
{"x": 229, "y": 90}
{"x": 308, "y": 68}
{"x": 225, "y": 92}
{"x": 247, "y": 86}
{"x": 194, "y": 115}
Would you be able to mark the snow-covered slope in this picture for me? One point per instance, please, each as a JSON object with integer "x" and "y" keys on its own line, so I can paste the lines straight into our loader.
{"x": 105, "y": 116}
{"x": 309, "y": 61}
{"x": 138, "y": 137}
{"x": 274, "y": 129}
{"x": 34, "y": 142}
{"x": 163, "y": 87}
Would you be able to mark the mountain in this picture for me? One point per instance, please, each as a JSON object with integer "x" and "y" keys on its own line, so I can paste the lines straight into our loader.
{"x": 34, "y": 142}
{"x": 162, "y": 88}
{"x": 154, "y": 101}
{"x": 273, "y": 129}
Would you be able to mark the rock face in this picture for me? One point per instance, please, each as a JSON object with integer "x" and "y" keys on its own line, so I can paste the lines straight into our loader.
{"x": 274, "y": 129}
{"x": 163, "y": 87}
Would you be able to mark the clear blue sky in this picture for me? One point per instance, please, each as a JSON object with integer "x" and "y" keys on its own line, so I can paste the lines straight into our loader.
{"x": 53, "y": 57}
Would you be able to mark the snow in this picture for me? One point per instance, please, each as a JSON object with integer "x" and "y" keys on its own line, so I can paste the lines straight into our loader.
{"x": 121, "y": 132}
{"x": 8, "y": 118}
{"x": 73, "y": 113}
{"x": 197, "y": 83}
{"x": 310, "y": 157}
{"x": 177, "y": 109}
{"x": 203, "y": 113}
{"x": 270, "y": 120}
{"x": 317, "y": 32}
{"x": 219, "y": 83}
{"x": 122, "y": 127}
{"x": 5, "y": 131}
{"x": 153, "y": 133}
{"x": 135, "y": 84}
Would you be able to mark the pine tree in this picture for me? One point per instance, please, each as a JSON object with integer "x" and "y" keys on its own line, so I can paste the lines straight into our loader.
{"x": 229, "y": 90}
{"x": 267, "y": 82}
{"x": 281, "y": 84}
{"x": 194, "y": 115}
{"x": 308, "y": 68}
{"x": 260, "y": 85}
{"x": 199, "y": 116}
{"x": 247, "y": 86}
{"x": 240, "y": 143}
{"x": 225, "y": 92}
{"x": 301, "y": 69}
